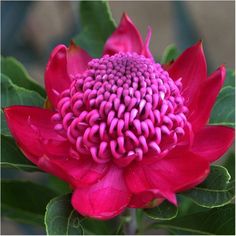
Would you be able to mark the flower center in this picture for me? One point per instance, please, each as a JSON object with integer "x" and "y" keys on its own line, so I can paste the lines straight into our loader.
{"x": 122, "y": 105}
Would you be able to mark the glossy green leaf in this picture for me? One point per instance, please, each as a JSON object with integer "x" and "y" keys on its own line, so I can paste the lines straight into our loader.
{"x": 165, "y": 211}
{"x": 215, "y": 191}
{"x": 215, "y": 221}
{"x": 24, "y": 201}
{"x": 12, "y": 157}
{"x": 171, "y": 53}
{"x": 11, "y": 67}
{"x": 61, "y": 218}
{"x": 12, "y": 94}
{"x": 223, "y": 112}
{"x": 97, "y": 25}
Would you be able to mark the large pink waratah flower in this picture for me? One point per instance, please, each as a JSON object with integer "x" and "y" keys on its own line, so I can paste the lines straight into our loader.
{"x": 123, "y": 131}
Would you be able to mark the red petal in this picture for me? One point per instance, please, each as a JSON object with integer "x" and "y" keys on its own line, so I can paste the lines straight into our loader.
{"x": 146, "y": 52}
{"x": 191, "y": 67}
{"x": 126, "y": 38}
{"x": 212, "y": 142}
{"x": 105, "y": 199}
{"x": 179, "y": 171}
{"x": 79, "y": 172}
{"x": 77, "y": 60}
{"x": 34, "y": 134}
{"x": 56, "y": 76}
{"x": 145, "y": 200}
{"x": 208, "y": 93}
{"x": 33, "y": 131}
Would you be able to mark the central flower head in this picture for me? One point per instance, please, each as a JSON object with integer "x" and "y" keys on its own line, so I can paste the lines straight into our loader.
{"x": 122, "y": 106}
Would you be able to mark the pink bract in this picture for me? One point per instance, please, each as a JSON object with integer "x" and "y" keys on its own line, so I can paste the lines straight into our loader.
{"x": 123, "y": 131}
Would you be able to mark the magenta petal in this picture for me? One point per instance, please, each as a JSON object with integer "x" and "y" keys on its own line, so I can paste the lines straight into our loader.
{"x": 56, "y": 76}
{"x": 208, "y": 93}
{"x": 33, "y": 131}
{"x": 178, "y": 171}
{"x": 212, "y": 142}
{"x": 77, "y": 60}
{"x": 191, "y": 67}
{"x": 105, "y": 199}
{"x": 80, "y": 172}
{"x": 126, "y": 38}
{"x": 146, "y": 52}
{"x": 146, "y": 199}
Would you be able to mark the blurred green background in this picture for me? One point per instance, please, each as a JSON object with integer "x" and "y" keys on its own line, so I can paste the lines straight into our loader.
{"x": 31, "y": 29}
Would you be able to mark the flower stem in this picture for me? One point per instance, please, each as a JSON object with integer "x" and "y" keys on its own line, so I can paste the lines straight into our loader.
{"x": 131, "y": 226}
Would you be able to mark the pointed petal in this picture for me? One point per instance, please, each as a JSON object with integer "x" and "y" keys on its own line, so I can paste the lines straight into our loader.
{"x": 126, "y": 38}
{"x": 146, "y": 51}
{"x": 212, "y": 142}
{"x": 56, "y": 76}
{"x": 77, "y": 60}
{"x": 191, "y": 67}
{"x": 33, "y": 131}
{"x": 105, "y": 199}
{"x": 178, "y": 171}
{"x": 208, "y": 93}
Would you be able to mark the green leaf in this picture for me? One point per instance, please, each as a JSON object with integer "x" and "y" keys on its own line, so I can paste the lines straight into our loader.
{"x": 229, "y": 163}
{"x": 165, "y": 211}
{"x": 230, "y": 78}
{"x": 224, "y": 108}
{"x": 170, "y": 53}
{"x": 4, "y": 127}
{"x": 24, "y": 201}
{"x": 61, "y": 218}
{"x": 97, "y": 25}
{"x": 58, "y": 185}
{"x": 215, "y": 191}
{"x": 99, "y": 227}
{"x": 18, "y": 75}
{"x": 215, "y": 221}
{"x": 12, "y": 94}
{"x": 12, "y": 157}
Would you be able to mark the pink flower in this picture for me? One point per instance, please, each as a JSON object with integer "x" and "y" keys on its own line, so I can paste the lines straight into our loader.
{"x": 123, "y": 131}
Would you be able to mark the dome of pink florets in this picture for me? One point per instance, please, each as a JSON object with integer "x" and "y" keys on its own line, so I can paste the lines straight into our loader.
{"x": 123, "y": 105}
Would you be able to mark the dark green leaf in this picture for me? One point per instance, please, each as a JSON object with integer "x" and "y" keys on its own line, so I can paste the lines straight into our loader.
{"x": 165, "y": 211}
{"x": 224, "y": 108}
{"x": 215, "y": 191}
{"x": 97, "y": 25}
{"x": 98, "y": 227}
{"x": 61, "y": 218}
{"x": 18, "y": 75}
{"x": 4, "y": 127}
{"x": 58, "y": 185}
{"x": 171, "y": 53}
{"x": 12, "y": 157}
{"x": 229, "y": 163}
{"x": 215, "y": 221}
{"x": 12, "y": 94}
{"x": 24, "y": 201}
